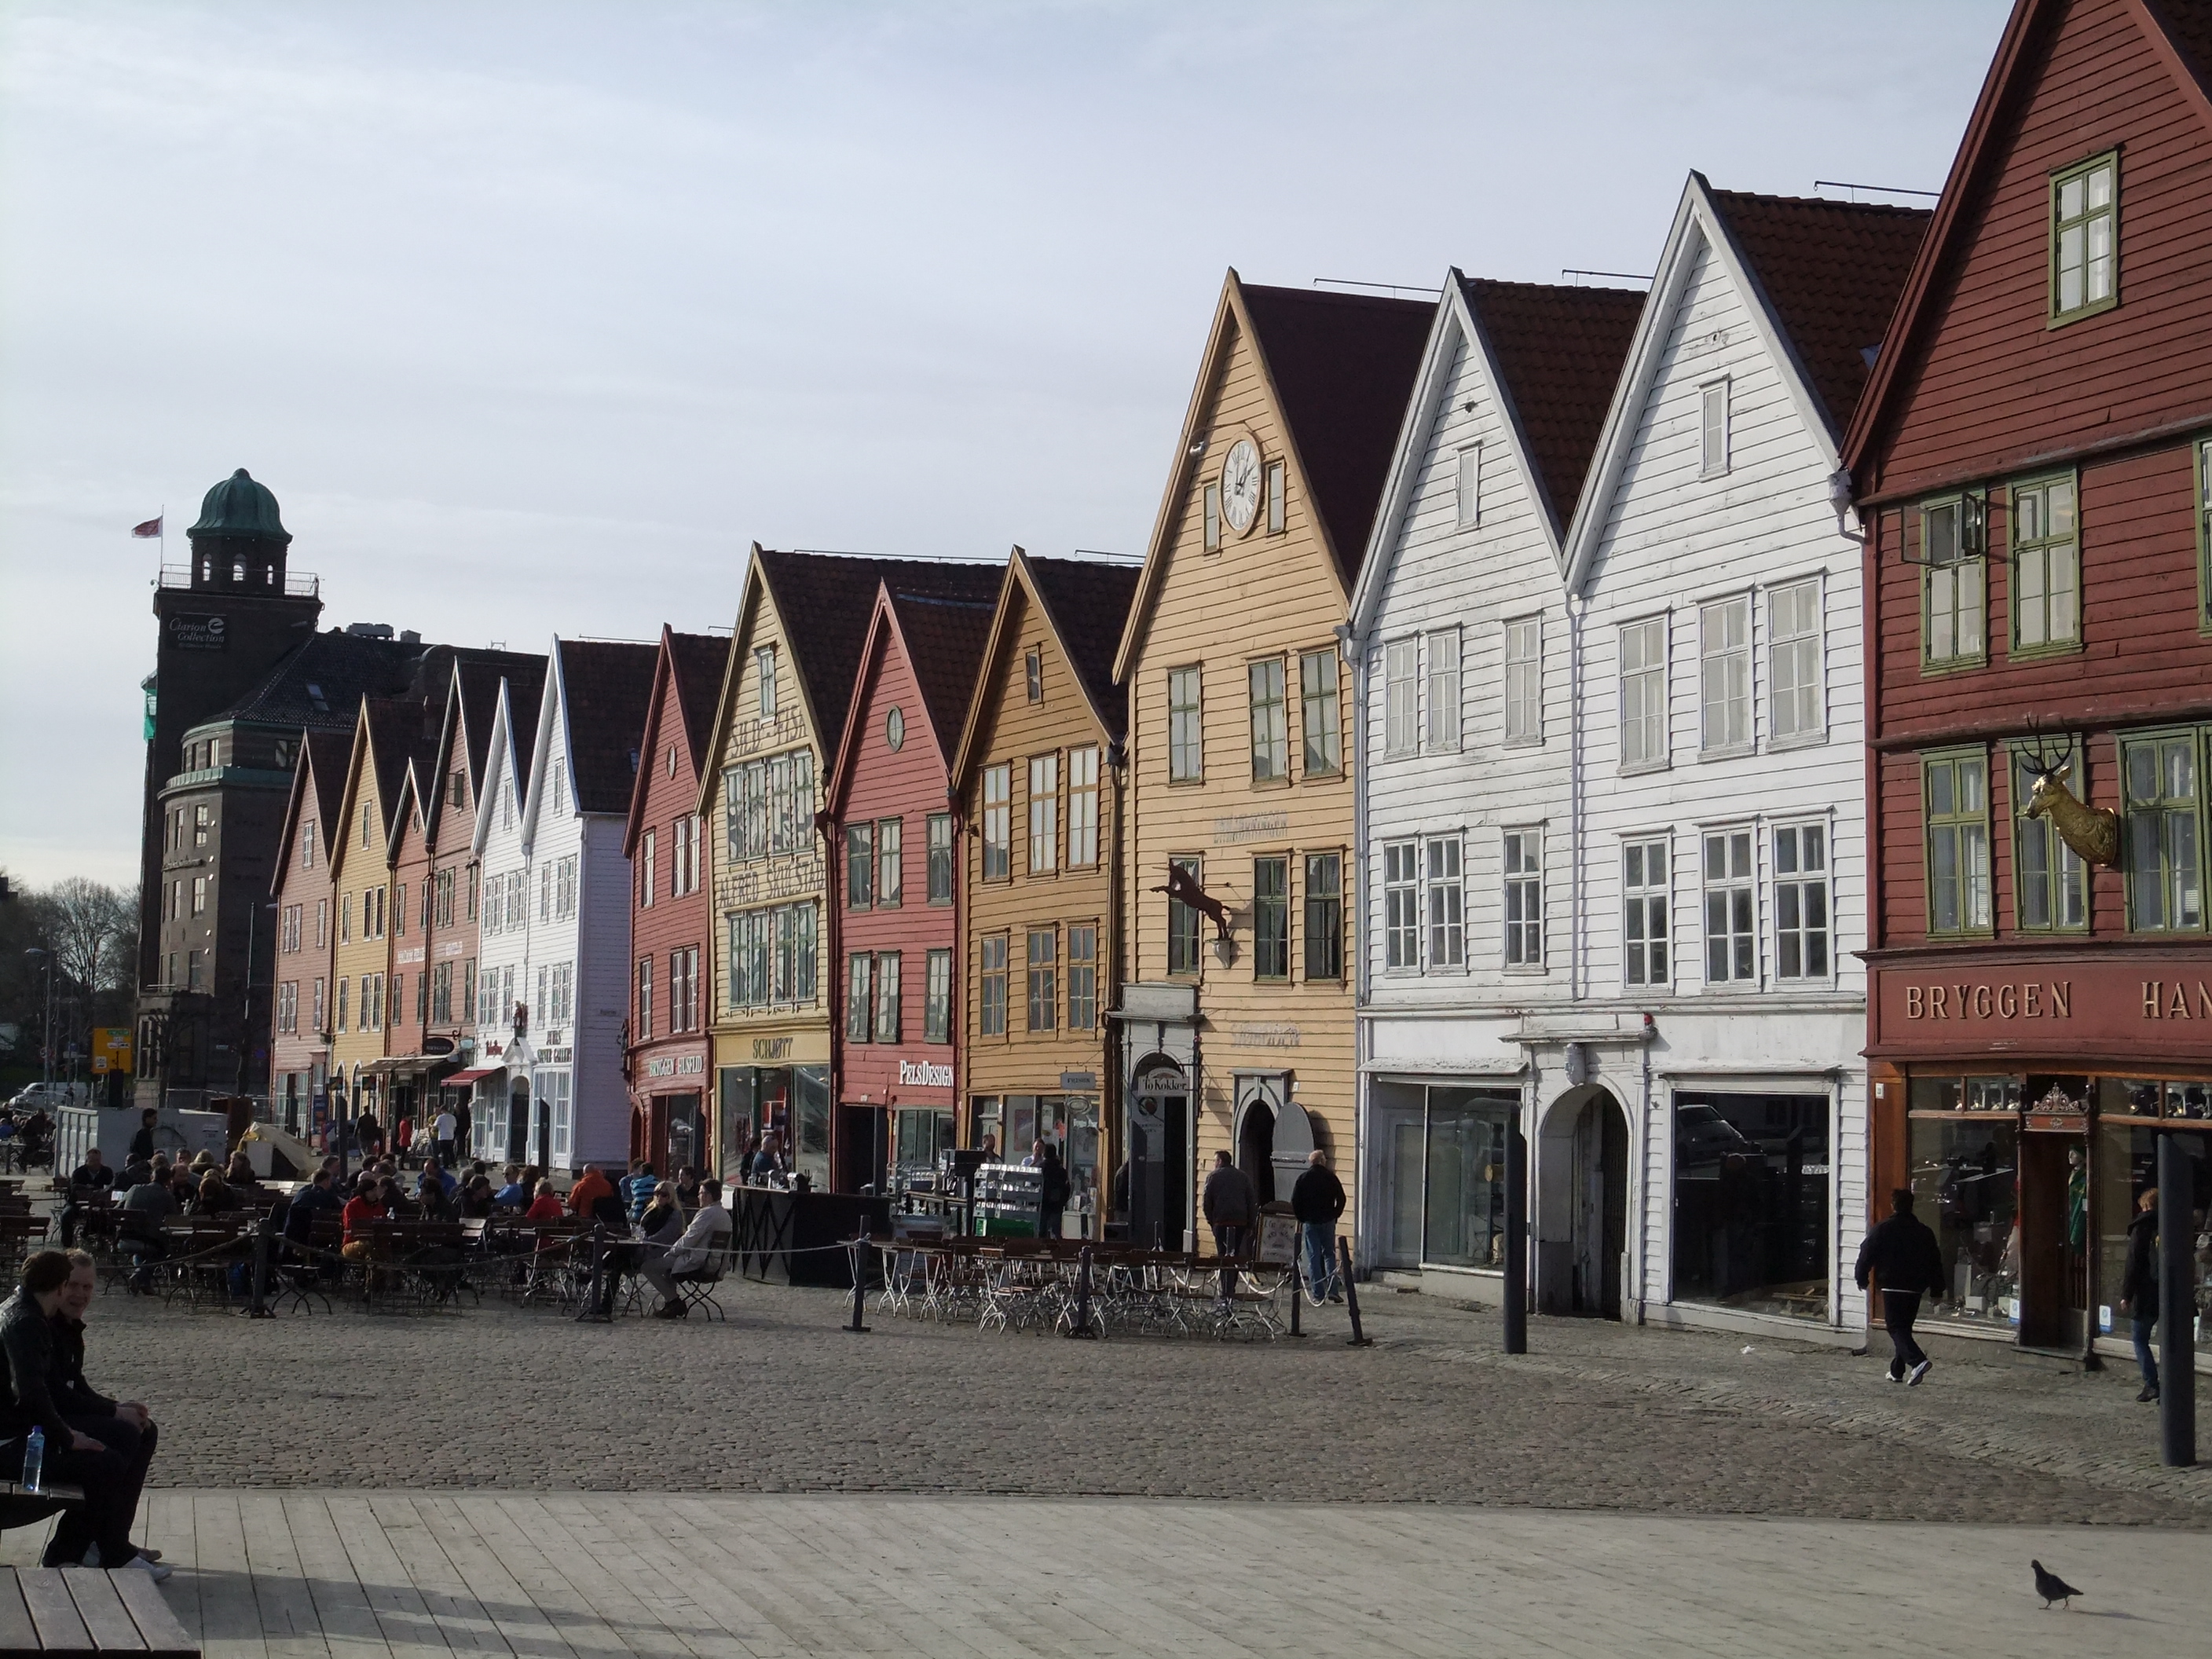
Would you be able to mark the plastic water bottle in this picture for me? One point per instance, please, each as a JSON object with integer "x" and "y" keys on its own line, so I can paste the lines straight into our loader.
{"x": 34, "y": 1456}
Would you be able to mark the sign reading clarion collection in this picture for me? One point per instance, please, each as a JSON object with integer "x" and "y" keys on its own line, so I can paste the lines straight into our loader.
{"x": 2055, "y": 1008}
{"x": 195, "y": 633}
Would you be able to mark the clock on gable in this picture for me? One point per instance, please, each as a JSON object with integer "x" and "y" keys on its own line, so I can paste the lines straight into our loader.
{"x": 1240, "y": 485}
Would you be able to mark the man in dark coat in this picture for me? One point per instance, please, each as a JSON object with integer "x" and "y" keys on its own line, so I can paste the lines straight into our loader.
{"x": 1230, "y": 1205}
{"x": 1318, "y": 1200}
{"x": 2139, "y": 1286}
{"x": 1902, "y": 1256}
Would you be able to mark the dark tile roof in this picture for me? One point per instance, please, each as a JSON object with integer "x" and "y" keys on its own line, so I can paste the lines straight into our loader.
{"x": 395, "y": 744}
{"x": 826, "y": 600}
{"x": 946, "y": 636}
{"x": 1344, "y": 366}
{"x": 2189, "y": 24}
{"x": 477, "y": 676}
{"x": 1089, "y": 602}
{"x": 698, "y": 660}
{"x": 321, "y": 685}
{"x": 609, "y": 686}
{"x": 1560, "y": 352}
{"x": 328, "y": 753}
{"x": 1833, "y": 272}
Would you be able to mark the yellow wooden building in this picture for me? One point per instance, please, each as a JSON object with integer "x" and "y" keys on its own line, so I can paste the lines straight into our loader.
{"x": 361, "y": 882}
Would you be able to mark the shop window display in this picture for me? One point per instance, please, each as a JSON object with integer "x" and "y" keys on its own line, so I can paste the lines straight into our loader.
{"x": 1464, "y": 1184}
{"x": 1752, "y": 1175}
{"x": 1965, "y": 1156}
{"x": 2133, "y": 1113}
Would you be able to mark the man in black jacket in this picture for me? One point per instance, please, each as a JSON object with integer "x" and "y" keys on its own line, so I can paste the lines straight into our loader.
{"x": 2139, "y": 1286}
{"x": 1318, "y": 1200}
{"x": 1903, "y": 1257}
{"x": 125, "y": 1427}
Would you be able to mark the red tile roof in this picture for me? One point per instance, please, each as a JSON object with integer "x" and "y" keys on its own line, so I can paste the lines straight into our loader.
{"x": 1089, "y": 601}
{"x": 608, "y": 685}
{"x": 1560, "y": 352}
{"x": 1832, "y": 272}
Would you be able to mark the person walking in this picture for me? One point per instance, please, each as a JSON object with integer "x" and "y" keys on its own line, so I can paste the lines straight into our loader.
{"x": 1053, "y": 1190}
{"x": 1230, "y": 1205}
{"x": 2139, "y": 1286}
{"x": 443, "y": 1130}
{"x": 1318, "y": 1200}
{"x": 1901, "y": 1256}
{"x": 142, "y": 1143}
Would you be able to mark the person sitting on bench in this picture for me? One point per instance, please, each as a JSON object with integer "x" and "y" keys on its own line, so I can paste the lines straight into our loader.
{"x": 27, "y": 1340}
{"x": 125, "y": 1427}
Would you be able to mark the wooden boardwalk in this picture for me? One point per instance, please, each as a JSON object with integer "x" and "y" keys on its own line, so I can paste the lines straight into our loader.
{"x": 276, "y": 1575}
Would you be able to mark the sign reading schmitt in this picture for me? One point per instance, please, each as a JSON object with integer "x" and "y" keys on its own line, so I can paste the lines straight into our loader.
{"x": 925, "y": 1074}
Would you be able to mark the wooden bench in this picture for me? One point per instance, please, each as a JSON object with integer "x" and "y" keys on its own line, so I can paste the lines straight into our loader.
{"x": 88, "y": 1610}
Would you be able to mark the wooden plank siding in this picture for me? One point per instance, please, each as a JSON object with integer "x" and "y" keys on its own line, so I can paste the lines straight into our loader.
{"x": 359, "y": 867}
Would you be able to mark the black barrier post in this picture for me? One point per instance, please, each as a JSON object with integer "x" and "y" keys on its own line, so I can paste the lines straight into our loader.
{"x": 1083, "y": 1327}
{"x": 1516, "y": 1241}
{"x": 858, "y": 1250}
{"x": 2177, "y": 1307}
{"x": 1360, "y": 1338}
{"x": 1297, "y": 1288}
{"x": 590, "y": 1308}
{"x": 260, "y": 1308}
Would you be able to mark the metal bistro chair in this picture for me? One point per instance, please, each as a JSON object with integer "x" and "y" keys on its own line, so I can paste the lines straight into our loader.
{"x": 699, "y": 1285}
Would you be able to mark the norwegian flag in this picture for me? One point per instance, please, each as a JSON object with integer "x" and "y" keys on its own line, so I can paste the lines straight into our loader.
{"x": 151, "y": 528}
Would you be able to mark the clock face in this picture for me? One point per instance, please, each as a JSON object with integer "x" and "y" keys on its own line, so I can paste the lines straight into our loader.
{"x": 1240, "y": 485}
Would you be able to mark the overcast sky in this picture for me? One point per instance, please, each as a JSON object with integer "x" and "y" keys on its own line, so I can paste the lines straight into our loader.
{"x": 534, "y": 316}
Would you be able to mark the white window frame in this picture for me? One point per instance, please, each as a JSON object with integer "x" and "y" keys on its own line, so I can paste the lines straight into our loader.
{"x": 1467, "y": 486}
{"x": 1524, "y": 681}
{"x": 1083, "y": 807}
{"x": 1650, "y": 718}
{"x": 1783, "y": 650}
{"x": 1728, "y": 885}
{"x": 1402, "y": 907}
{"x": 1518, "y": 874}
{"x": 1716, "y": 419}
{"x": 1401, "y": 697}
{"x": 1440, "y": 681}
{"x": 1723, "y": 658}
{"x": 1788, "y": 842}
{"x": 1044, "y": 814}
{"x": 1444, "y": 904}
{"x": 1648, "y": 898}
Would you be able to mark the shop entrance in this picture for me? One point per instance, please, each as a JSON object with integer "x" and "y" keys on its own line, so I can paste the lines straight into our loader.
{"x": 859, "y": 1149}
{"x": 518, "y": 1121}
{"x": 1582, "y": 1204}
{"x": 1157, "y": 1199}
{"x": 2054, "y": 1237}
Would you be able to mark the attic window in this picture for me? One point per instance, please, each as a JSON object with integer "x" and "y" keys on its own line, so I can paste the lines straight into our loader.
{"x": 1213, "y": 518}
{"x": 671, "y": 760}
{"x": 633, "y": 762}
{"x": 764, "y": 670}
{"x": 1033, "y": 673}
{"x": 315, "y": 697}
{"x": 1467, "y": 486}
{"x": 2085, "y": 238}
{"x": 1278, "y": 508}
{"x": 1713, "y": 430}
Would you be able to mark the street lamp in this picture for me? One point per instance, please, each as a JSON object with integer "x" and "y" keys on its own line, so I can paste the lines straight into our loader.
{"x": 42, "y": 961}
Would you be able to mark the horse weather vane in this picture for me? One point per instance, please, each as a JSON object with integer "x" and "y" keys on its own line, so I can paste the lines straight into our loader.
{"x": 2093, "y": 832}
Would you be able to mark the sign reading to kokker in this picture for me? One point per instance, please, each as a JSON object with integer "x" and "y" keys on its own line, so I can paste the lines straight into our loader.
{"x": 2047, "y": 1009}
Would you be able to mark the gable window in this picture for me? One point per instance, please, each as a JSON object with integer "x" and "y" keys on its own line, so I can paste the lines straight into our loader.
{"x": 1271, "y": 918}
{"x": 307, "y": 843}
{"x": 1082, "y": 978}
{"x": 1713, "y": 430}
{"x": 891, "y": 837}
{"x": 860, "y": 1005}
{"x": 1801, "y": 902}
{"x": 1524, "y": 680}
{"x": 887, "y": 997}
{"x": 367, "y": 821}
{"x": 1277, "y": 514}
{"x": 1647, "y": 900}
{"x": 1324, "y": 733}
{"x": 2165, "y": 822}
{"x": 1271, "y": 743}
{"x": 1644, "y": 693}
{"x": 1441, "y": 735}
{"x": 2050, "y": 883}
{"x": 1401, "y": 697}
{"x": 1797, "y": 708}
{"x": 1955, "y": 791}
{"x": 2046, "y": 565}
{"x": 2085, "y": 244}
{"x": 1213, "y": 517}
{"x": 1324, "y": 915}
{"x": 859, "y": 866}
{"x": 1524, "y": 898}
{"x": 937, "y": 996}
{"x": 1182, "y": 923}
{"x": 1401, "y": 914}
{"x": 1043, "y": 979}
{"x": 1731, "y": 909}
{"x": 1446, "y": 903}
{"x": 1083, "y": 807}
{"x": 1953, "y": 599}
{"x": 560, "y": 786}
{"x": 1044, "y": 814}
{"x": 1033, "y": 674}
{"x": 1724, "y": 676}
{"x": 1186, "y": 739}
{"x": 991, "y": 1000}
{"x": 1467, "y": 487}
{"x": 648, "y": 854}
{"x": 764, "y": 677}
{"x": 998, "y": 822}
{"x": 457, "y": 786}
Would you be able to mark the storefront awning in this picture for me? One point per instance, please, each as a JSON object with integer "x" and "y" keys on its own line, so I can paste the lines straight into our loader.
{"x": 473, "y": 1074}
{"x": 397, "y": 1064}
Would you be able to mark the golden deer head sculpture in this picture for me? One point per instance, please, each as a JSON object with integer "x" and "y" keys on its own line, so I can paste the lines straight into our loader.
{"x": 2093, "y": 832}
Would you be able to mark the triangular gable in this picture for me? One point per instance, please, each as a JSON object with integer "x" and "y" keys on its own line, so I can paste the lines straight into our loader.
{"x": 686, "y": 670}
{"x": 940, "y": 648}
{"x": 315, "y": 771}
{"x": 502, "y": 770}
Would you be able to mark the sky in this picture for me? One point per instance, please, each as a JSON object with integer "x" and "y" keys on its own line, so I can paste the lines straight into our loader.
{"x": 535, "y": 316}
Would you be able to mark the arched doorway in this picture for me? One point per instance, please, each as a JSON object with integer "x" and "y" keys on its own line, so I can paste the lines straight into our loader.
{"x": 1274, "y": 1135}
{"x": 1582, "y": 1204}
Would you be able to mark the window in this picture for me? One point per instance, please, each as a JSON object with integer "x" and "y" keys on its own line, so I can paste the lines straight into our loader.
{"x": 768, "y": 806}
{"x": 998, "y": 822}
{"x": 319, "y": 1007}
{"x": 564, "y": 887}
{"x": 2204, "y": 533}
{"x": 442, "y": 906}
{"x": 937, "y": 996}
{"x": 1446, "y": 904}
{"x": 1271, "y": 747}
{"x": 2084, "y": 238}
{"x": 644, "y": 998}
{"x": 1324, "y": 915}
{"x": 1524, "y": 680}
{"x": 559, "y": 784}
{"x": 683, "y": 989}
{"x": 288, "y": 1006}
{"x": 1212, "y": 510}
{"x": 1324, "y": 732}
{"x": 200, "y": 895}
{"x": 203, "y": 823}
{"x": 1644, "y": 693}
{"x": 1524, "y": 898}
{"x": 372, "y": 1002}
{"x": 1182, "y": 923}
{"x": 1401, "y": 697}
{"x": 322, "y": 923}
{"x": 887, "y": 997}
{"x": 1082, "y": 808}
{"x": 291, "y": 927}
{"x": 465, "y": 992}
{"x": 685, "y": 832}
{"x": 2050, "y": 881}
{"x": 939, "y": 829}
{"x": 563, "y": 1007}
{"x": 1442, "y": 734}
{"x": 764, "y": 676}
{"x": 172, "y": 901}
{"x": 308, "y": 845}
{"x": 476, "y": 876}
{"x": 891, "y": 847}
{"x": 648, "y": 851}
{"x": 1796, "y": 711}
{"x": 457, "y": 786}
{"x": 1467, "y": 487}
{"x": 345, "y": 919}
{"x": 1401, "y": 905}
{"x": 441, "y": 994}
{"x": 772, "y": 956}
{"x": 2166, "y": 863}
{"x": 1082, "y": 978}
{"x": 1185, "y": 737}
{"x": 1044, "y": 814}
{"x": 343, "y": 985}
{"x": 193, "y": 972}
{"x": 1646, "y": 903}
{"x": 1278, "y": 505}
{"x": 860, "y": 997}
{"x": 1724, "y": 676}
{"x": 1958, "y": 819}
{"x": 1801, "y": 902}
{"x": 859, "y": 866}
{"x": 545, "y": 894}
{"x": 1033, "y": 674}
{"x": 1713, "y": 430}
{"x": 1953, "y": 598}
{"x": 2046, "y": 570}
{"x": 423, "y": 997}
{"x": 1044, "y": 979}
{"x": 1731, "y": 909}
{"x": 367, "y": 821}
{"x": 991, "y": 1002}
{"x": 1271, "y": 918}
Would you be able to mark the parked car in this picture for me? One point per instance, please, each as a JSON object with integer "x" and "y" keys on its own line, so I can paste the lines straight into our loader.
{"x": 31, "y": 1097}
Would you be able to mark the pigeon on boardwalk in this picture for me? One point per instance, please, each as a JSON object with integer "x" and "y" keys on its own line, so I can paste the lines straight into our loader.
{"x": 2052, "y": 1588}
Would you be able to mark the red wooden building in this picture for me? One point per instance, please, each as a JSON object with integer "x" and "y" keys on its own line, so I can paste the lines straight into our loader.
{"x": 894, "y": 996}
{"x": 670, "y": 924}
{"x": 306, "y": 925}
{"x": 2031, "y": 463}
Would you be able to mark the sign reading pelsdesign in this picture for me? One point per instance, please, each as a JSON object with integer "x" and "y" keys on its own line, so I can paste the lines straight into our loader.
{"x": 925, "y": 1074}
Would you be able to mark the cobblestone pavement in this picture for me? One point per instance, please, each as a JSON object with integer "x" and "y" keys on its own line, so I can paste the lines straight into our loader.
{"x": 782, "y": 1401}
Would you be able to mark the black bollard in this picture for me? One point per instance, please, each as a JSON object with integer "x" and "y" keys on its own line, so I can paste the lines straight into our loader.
{"x": 590, "y": 1308}
{"x": 1083, "y": 1327}
{"x": 1516, "y": 1241}
{"x": 1358, "y": 1339}
{"x": 2177, "y": 1307}
{"x": 1297, "y": 1288}
{"x": 859, "y": 1252}
{"x": 261, "y": 1235}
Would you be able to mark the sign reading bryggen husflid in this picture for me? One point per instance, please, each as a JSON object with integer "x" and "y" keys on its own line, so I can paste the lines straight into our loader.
{"x": 2031, "y": 466}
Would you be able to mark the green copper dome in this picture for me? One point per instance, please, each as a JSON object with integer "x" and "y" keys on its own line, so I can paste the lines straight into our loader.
{"x": 239, "y": 506}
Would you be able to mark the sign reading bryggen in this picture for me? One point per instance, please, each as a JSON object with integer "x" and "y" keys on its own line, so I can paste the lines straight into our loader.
{"x": 2063, "y": 1008}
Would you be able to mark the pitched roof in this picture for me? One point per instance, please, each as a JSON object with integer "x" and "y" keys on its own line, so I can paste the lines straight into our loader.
{"x": 607, "y": 686}
{"x": 2189, "y": 25}
{"x": 395, "y": 742}
{"x": 1088, "y": 602}
{"x": 1559, "y": 352}
{"x": 1342, "y": 366}
{"x": 698, "y": 660}
{"x": 477, "y": 676}
{"x": 1832, "y": 272}
{"x": 328, "y": 752}
{"x": 944, "y": 634}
